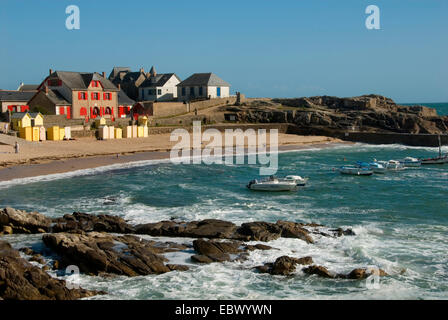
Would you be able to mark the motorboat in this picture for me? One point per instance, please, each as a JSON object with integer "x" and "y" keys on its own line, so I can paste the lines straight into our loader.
{"x": 410, "y": 162}
{"x": 300, "y": 182}
{"x": 392, "y": 165}
{"x": 356, "y": 170}
{"x": 273, "y": 184}
{"x": 374, "y": 166}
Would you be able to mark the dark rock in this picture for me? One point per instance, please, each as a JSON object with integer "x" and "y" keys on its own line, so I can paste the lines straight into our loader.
{"x": 363, "y": 273}
{"x": 88, "y": 222}
{"x": 37, "y": 258}
{"x": 24, "y": 222}
{"x": 96, "y": 253}
{"x": 214, "y": 251}
{"x": 27, "y": 251}
{"x": 20, "y": 280}
{"x": 209, "y": 228}
{"x": 258, "y": 246}
{"x": 339, "y": 232}
{"x": 258, "y": 231}
{"x": 284, "y": 265}
{"x": 318, "y": 270}
{"x": 177, "y": 267}
{"x": 294, "y": 230}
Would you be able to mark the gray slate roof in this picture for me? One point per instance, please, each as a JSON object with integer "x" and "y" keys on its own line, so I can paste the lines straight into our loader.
{"x": 158, "y": 81}
{"x": 57, "y": 98}
{"x": 123, "y": 99}
{"x": 18, "y": 115}
{"x": 204, "y": 79}
{"x": 81, "y": 80}
{"x": 21, "y": 96}
{"x": 28, "y": 87}
{"x": 116, "y": 70}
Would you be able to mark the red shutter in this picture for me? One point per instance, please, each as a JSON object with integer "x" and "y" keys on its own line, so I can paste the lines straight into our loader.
{"x": 69, "y": 113}
{"x": 79, "y": 96}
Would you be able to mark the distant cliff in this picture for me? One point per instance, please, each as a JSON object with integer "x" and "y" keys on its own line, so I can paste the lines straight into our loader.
{"x": 368, "y": 113}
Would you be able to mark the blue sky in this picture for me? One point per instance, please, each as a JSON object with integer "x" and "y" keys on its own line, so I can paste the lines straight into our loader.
{"x": 283, "y": 48}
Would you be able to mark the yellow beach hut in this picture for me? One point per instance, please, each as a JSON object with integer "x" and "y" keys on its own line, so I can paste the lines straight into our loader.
{"x": 37, "y": 119}
{"x": 20, "y": 120}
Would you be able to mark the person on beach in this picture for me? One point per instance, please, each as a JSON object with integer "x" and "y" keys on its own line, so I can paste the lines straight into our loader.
{"x": 16, "y": 147}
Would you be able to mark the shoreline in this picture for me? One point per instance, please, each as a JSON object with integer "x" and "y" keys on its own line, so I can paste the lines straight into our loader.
{"x": 53, "y": 166}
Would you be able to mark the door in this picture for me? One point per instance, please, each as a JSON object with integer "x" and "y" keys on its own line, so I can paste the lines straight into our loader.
{"x": 218, "y": 91}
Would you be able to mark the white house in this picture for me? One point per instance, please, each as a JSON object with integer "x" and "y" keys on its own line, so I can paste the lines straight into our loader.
{"x": 159, "y": 87}
{"x": 203, "y": 85}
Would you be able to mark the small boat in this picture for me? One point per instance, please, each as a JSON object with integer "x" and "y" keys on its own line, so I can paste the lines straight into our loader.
{"x": 410, "y": 162}
{"x": 356, "y": 170}
{"x": 441, "y": 159}
{"x": 273, "y": 184}
{"x": 392, "y": 165}
{"x": 374, "y": 166}
{"x": 300, "y": 182}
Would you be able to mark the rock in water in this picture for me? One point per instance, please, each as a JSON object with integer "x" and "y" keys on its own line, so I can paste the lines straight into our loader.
{"x": 20, "y": 280}
{"x": 96, "y": 253}
{"x": 294, "y": 230}
{"x": 259, "y": 231}
{"x": 284, "y": 265}
{"x": 214, "y": 251}
{"x": 24, "y": 222}
{"x": 88, "y": 222}
{"x": 363, "y": 273}
{"x": 318, "y": 270}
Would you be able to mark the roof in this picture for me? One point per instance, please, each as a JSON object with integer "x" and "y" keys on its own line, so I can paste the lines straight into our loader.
{"x": 28, "y": 87}
{"x": 56, "y": 97}
{"x": 204, "y": 79}
{"x": 159, "y": 80}
{"x": 81, "y": 80}
{"x": 35, "y": 114}
{"x": 132, "y": 76}
{"x": 12, "y": 95}
{"x": 18, "y": 115}
{"x": 123, "y": 99}
{"x": 116, "y": 70}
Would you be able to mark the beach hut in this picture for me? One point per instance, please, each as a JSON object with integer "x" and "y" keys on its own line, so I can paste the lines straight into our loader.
{"x": 100, "y": 122}
{"x": 145, "y": 131}
{"x": 103, "y": 132}
{"x": 53, "y": 133}
{"x": 26, "y": 133}
{"x": 134, "y": 131}
{"x": 68, "y": 133}
{"x": 118, "y": 133}
{"x": 111, "y": 132}
{"x": 127, "y": 132}
{"x": 143, "y": 121}
{"x": 42, "y": 134}
{"x": 35, "y": 133}
{"x": 20, "y": 120}
{"x": 140, "y": 131}
{"x": 61, "y": 133}
{"x": 37, "y": 119}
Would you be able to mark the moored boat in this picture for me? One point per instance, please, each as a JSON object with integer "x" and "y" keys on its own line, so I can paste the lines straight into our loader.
{"x": 441, "y": 159}
{"x": 374, "y": 166}
{"x": 356, "y": 170}
{"x": 273, "y": 184}
{"x": 410, "y": 162}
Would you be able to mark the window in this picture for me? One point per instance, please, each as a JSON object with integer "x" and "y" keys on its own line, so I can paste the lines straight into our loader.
{"x": 192, "y": 91}
{"x": 183, "y": 91}
{"x": 107, "y": 96}
{"x": 95, "y": 96}
{"x": 200, "y": 91}
{"x": 82, "y": 95}
{"x": 96, "y": 111}
{"x": 83, "y": 112}
{"x": 159, "y": 91}
{"x": 95, "y": 84}
{"x": 108, "y": 111}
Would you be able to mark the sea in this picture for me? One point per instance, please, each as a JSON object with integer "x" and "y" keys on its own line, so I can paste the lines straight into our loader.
{"x": 400, "y": 220}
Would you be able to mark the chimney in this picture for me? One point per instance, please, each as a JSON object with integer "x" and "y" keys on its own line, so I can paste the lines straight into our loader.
{"x": 104, "y": 74}
{"x": 51, "y": 71}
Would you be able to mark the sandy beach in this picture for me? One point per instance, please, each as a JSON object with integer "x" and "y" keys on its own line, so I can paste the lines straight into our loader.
{"x": 49, "y": 157}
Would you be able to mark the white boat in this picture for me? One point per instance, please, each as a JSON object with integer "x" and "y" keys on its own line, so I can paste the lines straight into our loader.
{"x": 441, "y": 159}
{"x": 356, "y": 170}
{"x": 392, "y": 165}
{"x": 374, "y": 166}
{"x": 301, "y": 182}
{"x": 410, "y": 162}
{"x": 273, "y": 184}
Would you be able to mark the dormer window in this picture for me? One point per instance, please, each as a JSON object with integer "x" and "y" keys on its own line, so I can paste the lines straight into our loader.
{"x": 95, "y": 84}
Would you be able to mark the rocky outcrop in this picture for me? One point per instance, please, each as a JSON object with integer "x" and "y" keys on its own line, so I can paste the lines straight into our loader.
{"x": 219, "y": 251}
{"x": 97, "y": 253}
{"x": 356, "y": 274}
{"x": 20, "y": 280}
{"x": 88, "y": 222}
{"x": 363, "y": 273}
{"x": 284, "y": 265}
{"x": 371, "y": 113}
{"x": 210, "y": 228}
{"x": 319, "y": 270}
{"x": 18, "y": 221}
